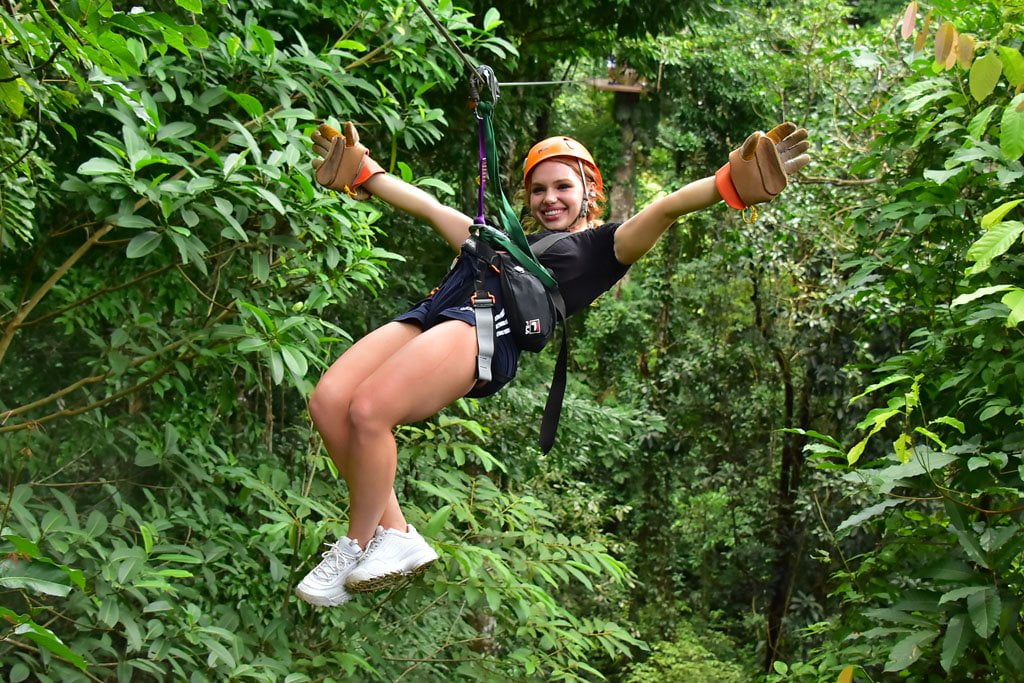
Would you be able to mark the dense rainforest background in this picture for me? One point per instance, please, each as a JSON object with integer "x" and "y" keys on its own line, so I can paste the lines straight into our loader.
{"x": 793, "y": 449}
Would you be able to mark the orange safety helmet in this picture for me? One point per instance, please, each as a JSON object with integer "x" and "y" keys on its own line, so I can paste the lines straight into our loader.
{"x": 560, "y": 146}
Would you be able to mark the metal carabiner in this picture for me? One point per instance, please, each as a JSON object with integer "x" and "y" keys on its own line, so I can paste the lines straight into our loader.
{"x": 487, "y": 79}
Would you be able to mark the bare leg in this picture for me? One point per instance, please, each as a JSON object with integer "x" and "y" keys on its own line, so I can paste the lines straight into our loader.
{"x": 426, "y": 374}
{"x": 329, "y": 404}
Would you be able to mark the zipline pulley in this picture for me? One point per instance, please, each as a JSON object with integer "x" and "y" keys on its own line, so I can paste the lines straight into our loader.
{"x": 484, "y": 78}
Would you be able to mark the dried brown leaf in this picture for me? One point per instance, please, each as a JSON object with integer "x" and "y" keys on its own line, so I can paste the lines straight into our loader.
{"x": 909, "y": 19}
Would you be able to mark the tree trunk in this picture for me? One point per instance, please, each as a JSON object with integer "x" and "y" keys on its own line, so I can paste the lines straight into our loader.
{"x": 623, "y": 194}
{"x": 787, "y": 538}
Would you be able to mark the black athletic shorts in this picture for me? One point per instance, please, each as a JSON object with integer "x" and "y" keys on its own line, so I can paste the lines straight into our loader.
{"x": 450, "y": 301}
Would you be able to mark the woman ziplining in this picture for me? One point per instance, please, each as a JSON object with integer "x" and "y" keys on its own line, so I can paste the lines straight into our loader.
{"x": 428, "y": 357}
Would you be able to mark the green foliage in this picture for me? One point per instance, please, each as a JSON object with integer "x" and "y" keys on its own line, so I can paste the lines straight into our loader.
{"x": 940, "y": 592}
{"x": 704, "y": 658}
{"x": 164, "y": 578}
{"x": 172, "y": 283}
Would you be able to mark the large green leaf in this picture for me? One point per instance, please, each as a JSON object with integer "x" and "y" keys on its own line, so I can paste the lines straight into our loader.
{"x": 954, "y": 643}
{"x": 34, "y": 576}
{"x": 909, "y": 650}
{"x": 10, "y": 93}
{"x": 1014, "y": 300}
{"x": 1013, "y": 647}
{"x": 996, "y": 215}
{"x": 886, "y": 479}
{"x": 143, "y": 244}
{"x": 41, "y": 636}
{"x": 100, "y": 166}
{"x": 984, "y": 75}
{"x": 1011, "y": 129}
{"x": 1013, "y": 64}
{"x": 295, "y": 360}
{"x": 856, "y": 520}
{"x": 984, "y": 608}
{"x": 979, "y": 124}
{"x": 993, "y": 243}
{"x": 960, "y": 593}
{"x": 978, "y": 293}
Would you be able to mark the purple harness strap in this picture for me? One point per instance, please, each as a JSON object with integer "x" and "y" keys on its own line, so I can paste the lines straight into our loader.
{"x": 483, "y": 170}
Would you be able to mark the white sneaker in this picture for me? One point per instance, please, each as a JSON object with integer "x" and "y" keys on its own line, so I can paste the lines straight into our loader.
{"x": 391, "y": 555}
{"x": 325, "y": 585}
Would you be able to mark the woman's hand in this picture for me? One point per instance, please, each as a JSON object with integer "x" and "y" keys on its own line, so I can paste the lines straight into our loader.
{"x": 791, "y": 144}
{"x": 759, "y": 170}
{"x": 345, "y": 164}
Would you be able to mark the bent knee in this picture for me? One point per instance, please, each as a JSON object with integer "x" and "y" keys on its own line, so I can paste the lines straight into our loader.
{"x": 367, "y": 412}
{"x": 328, "y": 404}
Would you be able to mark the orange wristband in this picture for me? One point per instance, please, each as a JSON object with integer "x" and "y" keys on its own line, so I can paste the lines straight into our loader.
{"x": 369, "y": 169}
{"x": 726, "y": 188}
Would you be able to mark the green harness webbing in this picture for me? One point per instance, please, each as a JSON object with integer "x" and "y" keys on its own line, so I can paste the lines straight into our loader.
{"x": 513, "y": 240}
{"x": 516, "y": 244}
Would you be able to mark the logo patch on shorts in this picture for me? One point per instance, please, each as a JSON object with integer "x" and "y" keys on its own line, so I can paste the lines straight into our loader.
{"x": 533, "y": 326}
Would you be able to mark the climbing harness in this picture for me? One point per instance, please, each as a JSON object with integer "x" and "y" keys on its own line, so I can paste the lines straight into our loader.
{"x": 529, "y": 290}
{"x": 532, "y": 301}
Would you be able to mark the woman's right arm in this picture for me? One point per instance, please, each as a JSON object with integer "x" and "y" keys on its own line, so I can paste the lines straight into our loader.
{"x": 345, "y": 165}
{"x": 450, "y": 224}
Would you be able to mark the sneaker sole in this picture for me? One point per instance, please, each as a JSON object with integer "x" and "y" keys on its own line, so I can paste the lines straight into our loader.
{"x": 321, "y": 600}
{"x": 387, "y": 580}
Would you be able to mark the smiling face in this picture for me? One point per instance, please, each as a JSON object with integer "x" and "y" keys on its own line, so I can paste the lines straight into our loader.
{"x": 556, "y": 195}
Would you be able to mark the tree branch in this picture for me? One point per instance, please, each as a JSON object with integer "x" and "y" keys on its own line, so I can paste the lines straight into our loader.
{"x": 814, "y": 180}
{"x": 32, "y": 424}
{"x": 93, "y": 380}
{"x": 16, "y": 323}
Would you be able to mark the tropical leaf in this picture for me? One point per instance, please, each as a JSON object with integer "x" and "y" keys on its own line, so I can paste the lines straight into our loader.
{"x": 143, "y": 244}
{"x": 965, "y": 51}
{"x": 984, "y": 608}
{"x": 1013, "y": 64}
{"x": 997, "y": 214}
{"x": 954, "y": 642}
{"x": 1011, "y": 129}
{"x": 992, "y": 244}
{"x": 909, "y": 650}
{"x": 945, "y": 44}
{"x": 909, "y": 20}
{"x": 1014, "y": 300}
{"x": 984, "y": 75}
{"x": 864, "y": 515}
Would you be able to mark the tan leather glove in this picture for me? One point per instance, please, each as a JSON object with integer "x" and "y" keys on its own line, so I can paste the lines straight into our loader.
{"x": 758, "y": 170}
{"x": 345, "y": 164}
{"x": 791, "y": 144}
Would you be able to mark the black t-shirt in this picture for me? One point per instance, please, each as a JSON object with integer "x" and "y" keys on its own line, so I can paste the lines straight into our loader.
{"x": 584, "y": 264}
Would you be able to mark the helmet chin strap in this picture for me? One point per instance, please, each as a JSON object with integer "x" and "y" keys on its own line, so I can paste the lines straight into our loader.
{"x": 586, "y": 192}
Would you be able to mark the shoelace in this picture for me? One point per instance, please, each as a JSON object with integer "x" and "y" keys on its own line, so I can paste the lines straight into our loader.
{"x": 374, "y": 542}
{"x": 335, "y": 560}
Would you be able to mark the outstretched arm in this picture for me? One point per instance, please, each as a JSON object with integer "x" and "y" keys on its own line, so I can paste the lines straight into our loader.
{"x": 636, "y": 236}
{"x": 450, "y": 224}
{"x": 756, "y": 172}
{"x": 346, "y": 166}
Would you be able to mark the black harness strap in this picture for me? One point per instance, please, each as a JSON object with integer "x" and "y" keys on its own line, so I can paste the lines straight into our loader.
{"x": 545, "y": 242}
{"x": 483, "y": 310}
{"x": 556, "y": 394}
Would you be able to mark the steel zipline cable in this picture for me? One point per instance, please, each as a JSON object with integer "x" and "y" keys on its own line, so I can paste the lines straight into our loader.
{"x": 484, "y": 74}
{"x": 447, "y": 36}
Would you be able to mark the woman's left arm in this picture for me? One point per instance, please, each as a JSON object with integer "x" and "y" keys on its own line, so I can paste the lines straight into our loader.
{"x": 636, "y": 236}
{"x": 756, "y": 173}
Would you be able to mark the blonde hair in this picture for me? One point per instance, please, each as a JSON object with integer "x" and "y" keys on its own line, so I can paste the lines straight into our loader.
{"x": 595, "y": 203}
